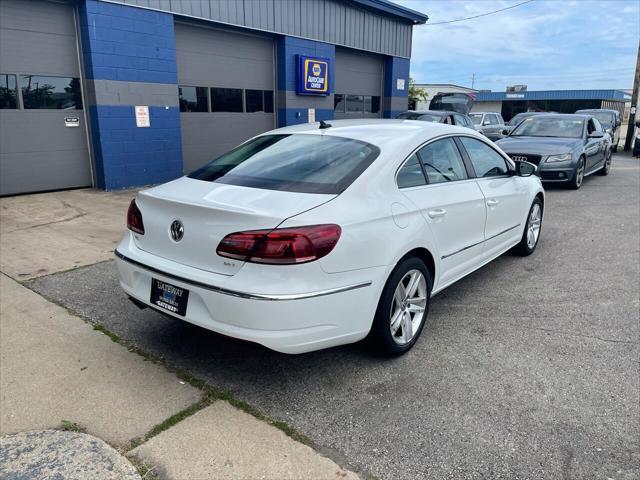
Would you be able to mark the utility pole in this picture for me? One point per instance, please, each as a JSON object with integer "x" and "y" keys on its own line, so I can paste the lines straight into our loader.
{"x": 634, "y": 104}
{"x": 473, "y": 79}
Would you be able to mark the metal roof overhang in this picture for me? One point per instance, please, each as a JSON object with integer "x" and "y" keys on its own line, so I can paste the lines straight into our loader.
{"x": 390, "y": 8}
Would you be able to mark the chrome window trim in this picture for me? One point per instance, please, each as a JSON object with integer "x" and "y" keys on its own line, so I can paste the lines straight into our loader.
{"x": 235, "y": 293}
{"x": 508, "y": 159}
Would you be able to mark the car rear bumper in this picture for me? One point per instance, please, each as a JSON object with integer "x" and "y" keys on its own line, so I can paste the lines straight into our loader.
{"x": 288, "y": 322}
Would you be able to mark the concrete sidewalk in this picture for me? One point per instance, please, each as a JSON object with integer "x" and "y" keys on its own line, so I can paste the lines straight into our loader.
{"x": 55, "y": 368}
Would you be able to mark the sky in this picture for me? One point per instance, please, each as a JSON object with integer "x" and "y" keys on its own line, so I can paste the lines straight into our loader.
{"x": 545, "y": 44}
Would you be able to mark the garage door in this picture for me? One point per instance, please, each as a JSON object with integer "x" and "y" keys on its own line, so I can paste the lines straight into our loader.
{"x": 43, "y": 141}
{"x": 226, "y": 88}
{"x": 358, "y": 85}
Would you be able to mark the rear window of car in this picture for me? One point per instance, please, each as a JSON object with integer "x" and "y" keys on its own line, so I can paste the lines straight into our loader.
{"x": 425, "y": 117}
{"x": 295, "y": 163}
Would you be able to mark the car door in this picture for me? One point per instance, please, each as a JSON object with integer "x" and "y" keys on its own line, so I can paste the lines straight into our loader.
{"x": 505, "y": 196}
{"x": 452, "y": 204}
{"x": 593, "y": 146}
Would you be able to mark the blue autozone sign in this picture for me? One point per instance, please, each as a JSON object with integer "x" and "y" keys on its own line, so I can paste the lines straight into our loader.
{"x": 313, "y": 75}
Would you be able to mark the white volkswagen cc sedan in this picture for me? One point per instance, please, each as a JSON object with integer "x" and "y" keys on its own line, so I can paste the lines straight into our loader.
{"x": 312, "y": 236}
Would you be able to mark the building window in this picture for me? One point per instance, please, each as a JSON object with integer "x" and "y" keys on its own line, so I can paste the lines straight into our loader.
{"x": 258, "y": 101}
{"x": 371, "y": 104}
{"x": 355, "y": 104}
{"x": 193, "y": 99}
{"x": 8, "y": 91}
{"x": 53, "y": 93}
{"x": 254, "y": 101}
{"x": 338, "y": 103}
{"x": 268, "y": 101}
{"x": 226, "y": 100}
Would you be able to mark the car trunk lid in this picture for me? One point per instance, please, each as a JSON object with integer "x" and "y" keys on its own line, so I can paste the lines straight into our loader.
{"x": 453, "y": 102}
{"x": 208, "y": 212}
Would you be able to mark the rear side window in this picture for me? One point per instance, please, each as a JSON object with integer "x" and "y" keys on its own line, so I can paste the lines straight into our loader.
{"x": 411, "y": 174}
{"x": 294, "y": 163}
{"x": 485, "y": 160}
{"x": 442, "y": 161}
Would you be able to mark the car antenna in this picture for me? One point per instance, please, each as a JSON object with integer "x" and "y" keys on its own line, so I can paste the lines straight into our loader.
{"x": 324, "y": 125}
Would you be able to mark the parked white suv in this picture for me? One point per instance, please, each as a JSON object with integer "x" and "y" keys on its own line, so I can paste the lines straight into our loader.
{"x": 490, "y": 124}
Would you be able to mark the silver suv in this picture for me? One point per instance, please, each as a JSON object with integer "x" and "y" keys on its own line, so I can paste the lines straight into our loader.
{"x": 490, "y": 124}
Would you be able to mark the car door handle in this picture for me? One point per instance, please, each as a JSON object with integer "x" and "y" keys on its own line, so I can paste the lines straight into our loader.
{"x": 492, "y": 203}
{"x": 440, "y": 212}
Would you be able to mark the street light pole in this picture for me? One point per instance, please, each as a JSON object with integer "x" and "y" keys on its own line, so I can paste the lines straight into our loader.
{"x": 634, "y": 104}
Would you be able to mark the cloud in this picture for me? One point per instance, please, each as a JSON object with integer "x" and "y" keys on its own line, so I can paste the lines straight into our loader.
{"x": 545, "y": 44}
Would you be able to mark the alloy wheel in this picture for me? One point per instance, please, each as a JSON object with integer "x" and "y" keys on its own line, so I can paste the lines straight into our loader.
{"x": 408, "y": 307}
{"x": 580, "y": 173}
{"x": 533, "y": 229}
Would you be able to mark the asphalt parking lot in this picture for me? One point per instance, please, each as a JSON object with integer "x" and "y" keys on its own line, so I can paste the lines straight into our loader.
{"x": 528, "y": 368}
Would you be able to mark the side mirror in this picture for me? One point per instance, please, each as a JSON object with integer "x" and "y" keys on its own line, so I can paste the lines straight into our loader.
{"x": 596, "y": 135}
{"x": 506, "y": 132}
{"x": 638, "y": 124}
{"x": 525, "y": 169}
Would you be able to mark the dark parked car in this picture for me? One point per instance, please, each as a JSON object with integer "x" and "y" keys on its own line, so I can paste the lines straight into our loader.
{"x": 516, "y": 119}
{"x": 566, "y": 147}
{"x": 490, "y": 124}
{"x": 610, "y": 121}
{"x": 439, "y": 116}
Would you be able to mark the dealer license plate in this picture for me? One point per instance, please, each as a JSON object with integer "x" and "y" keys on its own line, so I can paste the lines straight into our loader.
{"x": 169, "y": 297}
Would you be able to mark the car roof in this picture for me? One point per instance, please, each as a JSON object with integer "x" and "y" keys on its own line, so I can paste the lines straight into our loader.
{"x": 569, "y": 115}
{"x": 608, "y": 110}
{"x": 430, "y": 112}
{"x": 380, "y": 132}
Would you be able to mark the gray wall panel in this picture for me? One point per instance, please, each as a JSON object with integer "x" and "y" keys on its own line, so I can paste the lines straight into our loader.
{"x": 358, "y": 73}
{"x": 213, "y": 57}
{"x": 210, "y": 57}
{"x": 37, "y": 37}
{"x": 114, "y": 92}
{"x": 37, "y": 151}
{"x": 331, "y": 21}
{"x": 259, "y": 14}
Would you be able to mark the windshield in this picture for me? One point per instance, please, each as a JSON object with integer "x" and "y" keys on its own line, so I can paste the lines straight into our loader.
{"x": 293, "y": 163}
{"x": 477, "y": 118}
{"x": 544, "y": 126}
{"x": 425, "y": 117}
{"x": 605, "y": 118}
{"x": 517, "y": 119}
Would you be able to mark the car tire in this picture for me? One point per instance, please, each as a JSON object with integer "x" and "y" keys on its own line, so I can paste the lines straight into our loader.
{"x": 399, "y": 318}
{"x": 578, "y": 175}
{"x": 607, "y": 165}
{"x": 532, "y": 230}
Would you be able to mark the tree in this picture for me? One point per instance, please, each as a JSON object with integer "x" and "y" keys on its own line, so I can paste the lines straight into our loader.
{"x": 416, "y": 94}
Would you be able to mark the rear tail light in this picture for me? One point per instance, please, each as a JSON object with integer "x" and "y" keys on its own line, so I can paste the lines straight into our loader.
{"x": 134, "y": 218}
{"x": 282, "y": 246}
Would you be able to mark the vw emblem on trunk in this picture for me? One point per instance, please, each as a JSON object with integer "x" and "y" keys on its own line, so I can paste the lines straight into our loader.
{"x": 176, "y": 230}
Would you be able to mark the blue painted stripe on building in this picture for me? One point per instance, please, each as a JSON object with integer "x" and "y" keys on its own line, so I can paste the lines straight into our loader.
{"x": 126, "y": 155}
{"x": 127, "y": 43}
{"x": 553, "y": 95}
{"x": 289, "y": 116}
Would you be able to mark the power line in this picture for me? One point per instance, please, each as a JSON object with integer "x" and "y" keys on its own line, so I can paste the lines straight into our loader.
{"x": 481, "y": 15}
